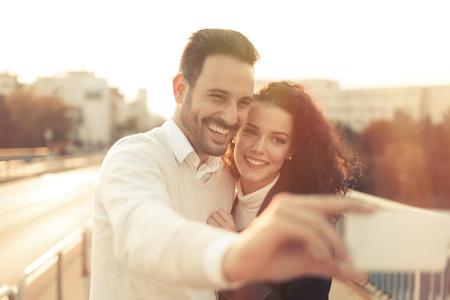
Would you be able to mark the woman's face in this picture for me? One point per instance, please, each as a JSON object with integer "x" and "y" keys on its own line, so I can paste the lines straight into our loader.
{"x": 262, "y": 145}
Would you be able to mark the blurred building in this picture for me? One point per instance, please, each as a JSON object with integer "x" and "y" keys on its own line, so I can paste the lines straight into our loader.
{"x": 359, "y": 107}
{"x": 436, "y": 101}
{"x": 367, "y": 105}
{"x": 364, "y": 106}
{"x": 138, "y": 112}
{"x": 118, "y": 115}
{"x": 8, "y": 83}
{"x": 133, "y": 116}
{"x": 90, "y": 100}
{"x": 100, "y": 113}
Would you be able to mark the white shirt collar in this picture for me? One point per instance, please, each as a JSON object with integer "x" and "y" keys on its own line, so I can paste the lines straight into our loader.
{"x": 178, "y": 142}
{"x": 183, "y": 150}
{"x": 254, "y": 199}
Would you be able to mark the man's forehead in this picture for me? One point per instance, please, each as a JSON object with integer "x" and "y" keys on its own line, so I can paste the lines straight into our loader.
{"x": 226, "y": 75}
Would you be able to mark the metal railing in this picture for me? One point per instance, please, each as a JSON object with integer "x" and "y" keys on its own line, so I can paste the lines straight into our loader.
{"x": 6, "y": 292}
{"x": 17, "y": 169}
{"x": 35, "y": 277}
{"x": 414, "y": 285}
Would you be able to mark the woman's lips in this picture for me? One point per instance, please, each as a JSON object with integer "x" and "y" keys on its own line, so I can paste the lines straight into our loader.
{"x": 254, "y": 162}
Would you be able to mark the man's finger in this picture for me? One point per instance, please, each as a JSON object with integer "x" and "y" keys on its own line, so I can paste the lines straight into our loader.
{"x": 323, "y": 228}
{"x": 329, "y": 204}
{"x": 345, "y": 271}
{"x": 309, "y": 238}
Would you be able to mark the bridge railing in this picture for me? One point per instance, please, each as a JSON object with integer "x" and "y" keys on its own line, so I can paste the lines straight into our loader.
{"x": 7, "y": 292}
{"x": 415, "y": 284}
{"x": 44, "y": 278}
{"x": 47, "y": 277}
{"x": 17, "y": 169}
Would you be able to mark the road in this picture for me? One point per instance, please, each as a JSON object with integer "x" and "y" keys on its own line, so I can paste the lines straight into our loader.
{"x": 38, "y": 212}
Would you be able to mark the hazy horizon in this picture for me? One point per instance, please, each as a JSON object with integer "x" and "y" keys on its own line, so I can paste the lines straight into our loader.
{"x": 137, "y": 44}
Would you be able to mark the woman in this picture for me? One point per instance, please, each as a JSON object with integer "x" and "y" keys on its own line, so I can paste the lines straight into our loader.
{"x": 286, "y": 146}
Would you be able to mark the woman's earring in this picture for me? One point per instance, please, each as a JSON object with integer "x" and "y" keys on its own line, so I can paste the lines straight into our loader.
{"x": 289, "y": 157}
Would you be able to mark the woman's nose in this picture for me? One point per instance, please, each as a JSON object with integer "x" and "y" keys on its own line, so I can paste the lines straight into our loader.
{"x": 258, "y": 146}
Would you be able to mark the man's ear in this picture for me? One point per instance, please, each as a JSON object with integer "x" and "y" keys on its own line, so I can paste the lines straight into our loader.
{"x": 179, "y": 86}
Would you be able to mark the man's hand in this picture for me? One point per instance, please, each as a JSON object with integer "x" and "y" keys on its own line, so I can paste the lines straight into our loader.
{"x": 222, "y": 219}
{"x": 293, "y": 237}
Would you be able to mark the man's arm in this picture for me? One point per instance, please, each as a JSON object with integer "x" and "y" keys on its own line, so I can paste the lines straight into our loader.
{"x": 293, "y": 237}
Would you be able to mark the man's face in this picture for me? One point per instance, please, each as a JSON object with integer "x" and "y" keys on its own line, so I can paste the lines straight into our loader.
{"x": 213, "y": 110}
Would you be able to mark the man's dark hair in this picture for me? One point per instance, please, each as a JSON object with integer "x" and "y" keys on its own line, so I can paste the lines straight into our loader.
{"x": 207, "y": 42}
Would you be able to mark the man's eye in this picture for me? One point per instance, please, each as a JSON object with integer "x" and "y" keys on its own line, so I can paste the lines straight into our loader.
{"x": 249, "y": 131}
{"x": 217, "y": 98}
{"x": 244, "y": 103}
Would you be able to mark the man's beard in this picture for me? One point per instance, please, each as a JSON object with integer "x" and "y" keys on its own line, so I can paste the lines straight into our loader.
{"x": 193, "y": 129}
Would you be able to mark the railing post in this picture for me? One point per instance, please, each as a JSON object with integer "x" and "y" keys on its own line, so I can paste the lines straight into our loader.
{"x": 84, "y": 258}
{"x": 59, "y": 271}
{"x": 446, "y": 281}
{"x": 21, "y": 288}
{"x": 7, "y": 291}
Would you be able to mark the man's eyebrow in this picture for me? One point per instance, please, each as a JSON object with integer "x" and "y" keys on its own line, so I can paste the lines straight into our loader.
{"x": 219, "y": 91}
{"x": 226, "y": 93}
{"x": 251, "y": 125}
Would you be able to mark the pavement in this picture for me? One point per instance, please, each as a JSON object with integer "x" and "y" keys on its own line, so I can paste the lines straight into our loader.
{"x": 57, "y": 204}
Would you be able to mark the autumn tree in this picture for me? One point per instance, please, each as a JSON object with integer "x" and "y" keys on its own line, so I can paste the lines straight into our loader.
{"x": 436, "y": 140}
{"x": 5, "y": 123}
{"x": 30, "y": 116}
{"x": 398, "y": 162}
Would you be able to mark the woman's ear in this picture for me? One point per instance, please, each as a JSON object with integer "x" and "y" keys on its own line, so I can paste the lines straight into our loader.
{"x": 178, "y": 86}
{"x": 290, "y": 154}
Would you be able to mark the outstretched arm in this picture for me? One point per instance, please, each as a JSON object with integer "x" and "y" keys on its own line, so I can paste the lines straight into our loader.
{"x": 291, "y": 238}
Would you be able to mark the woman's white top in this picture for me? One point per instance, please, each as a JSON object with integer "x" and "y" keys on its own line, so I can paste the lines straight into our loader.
{"x": 249, "y": 204}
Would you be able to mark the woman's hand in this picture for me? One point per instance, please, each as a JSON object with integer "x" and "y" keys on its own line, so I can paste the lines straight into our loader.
{"x": 222, "y": 219}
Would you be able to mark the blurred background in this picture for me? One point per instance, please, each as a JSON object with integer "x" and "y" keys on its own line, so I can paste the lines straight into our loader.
{"x": 75, "y": 76}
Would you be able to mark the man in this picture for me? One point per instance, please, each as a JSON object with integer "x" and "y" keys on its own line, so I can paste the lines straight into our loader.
{"x": 157, "y": 189}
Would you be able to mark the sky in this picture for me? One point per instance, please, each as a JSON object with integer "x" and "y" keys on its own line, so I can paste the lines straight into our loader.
{"x": 137, "y": 44}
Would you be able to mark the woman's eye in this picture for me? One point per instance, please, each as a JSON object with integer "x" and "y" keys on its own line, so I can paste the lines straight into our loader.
{"x": 279, "y": 141}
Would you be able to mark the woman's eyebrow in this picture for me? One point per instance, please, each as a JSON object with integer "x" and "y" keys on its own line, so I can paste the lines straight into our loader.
{"x": 280, "y": 133}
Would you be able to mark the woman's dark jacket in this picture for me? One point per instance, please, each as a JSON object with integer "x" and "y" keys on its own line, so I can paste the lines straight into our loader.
{"x": 298, "y": 289}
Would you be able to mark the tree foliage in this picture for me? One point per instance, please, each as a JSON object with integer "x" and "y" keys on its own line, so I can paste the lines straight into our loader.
{"x": 406, "y": 160}
{"x": 25, "y": 117}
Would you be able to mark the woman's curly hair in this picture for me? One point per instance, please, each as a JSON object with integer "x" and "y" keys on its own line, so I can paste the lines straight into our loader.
{"x": 321, "y": 162}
